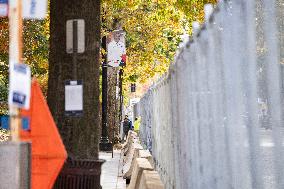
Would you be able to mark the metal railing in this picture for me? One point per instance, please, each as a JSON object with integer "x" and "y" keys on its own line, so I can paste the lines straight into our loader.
{"x": 215, "y": 120}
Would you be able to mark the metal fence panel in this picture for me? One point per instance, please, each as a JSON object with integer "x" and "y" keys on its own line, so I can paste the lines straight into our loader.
{"x": 215, "y": 120}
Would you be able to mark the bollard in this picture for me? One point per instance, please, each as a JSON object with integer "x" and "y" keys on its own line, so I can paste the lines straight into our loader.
{"x": 15, "y": 166}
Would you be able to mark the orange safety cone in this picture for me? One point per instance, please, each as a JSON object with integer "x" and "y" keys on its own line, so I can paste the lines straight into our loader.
{"x": 48, "y": 151}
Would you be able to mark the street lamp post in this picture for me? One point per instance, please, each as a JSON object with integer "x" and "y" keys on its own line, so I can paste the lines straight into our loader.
{"x": 105, "y": 144}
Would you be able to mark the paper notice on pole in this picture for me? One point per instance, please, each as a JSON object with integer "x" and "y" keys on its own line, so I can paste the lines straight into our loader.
{"x": 73, "y": 98}
{"x": 20, "y": 86}
{"x": 3, "y": 8}
{"x": 34, "y": 9}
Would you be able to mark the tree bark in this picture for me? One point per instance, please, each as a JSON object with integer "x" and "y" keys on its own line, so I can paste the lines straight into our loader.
{"x": 80, "y": 134}
{"x": 113, "y": 111}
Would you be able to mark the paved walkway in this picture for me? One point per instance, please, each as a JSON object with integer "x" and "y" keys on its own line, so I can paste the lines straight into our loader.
{"x": 110, "y": 177}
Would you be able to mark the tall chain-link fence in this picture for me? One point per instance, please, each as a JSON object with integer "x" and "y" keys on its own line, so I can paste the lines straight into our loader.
{"x": 215, "y": 120}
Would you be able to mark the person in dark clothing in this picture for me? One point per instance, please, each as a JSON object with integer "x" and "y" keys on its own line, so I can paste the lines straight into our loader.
{"x": 126, "y": 126}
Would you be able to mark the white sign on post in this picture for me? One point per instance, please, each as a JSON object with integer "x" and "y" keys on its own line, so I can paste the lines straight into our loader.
{"x": 80, "y": 29}
{"x": 3, "y": 8}
{"x": 116, "y": 50}
{"x": 73, "y": 98}
{"x": 20, "y": 86}
{"x": 34, "y": 9}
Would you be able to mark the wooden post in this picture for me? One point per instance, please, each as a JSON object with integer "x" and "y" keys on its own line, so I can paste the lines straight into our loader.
{"x": 15, "y": 56}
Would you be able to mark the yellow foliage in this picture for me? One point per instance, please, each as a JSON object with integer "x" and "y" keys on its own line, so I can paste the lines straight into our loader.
{"x": 153, "y": 29}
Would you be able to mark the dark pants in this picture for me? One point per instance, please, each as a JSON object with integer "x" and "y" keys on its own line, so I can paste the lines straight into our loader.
{"x": 125, "y": 134}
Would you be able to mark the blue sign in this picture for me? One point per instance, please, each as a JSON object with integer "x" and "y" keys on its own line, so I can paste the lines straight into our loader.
{"x": 25, "y": 123}
{"x": 20, "y": 86}
{"x": 3, "y": 8}
{"x": 19, "y": 98}
{"x": 34, "y": 9}
{"x": 21, "y": 68}
{"x": 5, "y": 123}
{"x": 3, "y": 1}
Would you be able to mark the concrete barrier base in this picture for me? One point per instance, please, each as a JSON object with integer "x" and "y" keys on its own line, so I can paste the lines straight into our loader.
{"x": 130, "y": 163}
{"x": 15, "y": 165}
{"x": 146, "y": 154}
{"x": 150, "y": 180}
{"x": 140, "y": 164}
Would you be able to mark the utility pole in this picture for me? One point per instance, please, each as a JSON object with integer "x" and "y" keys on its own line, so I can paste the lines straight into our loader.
{"x": 15, "y": 56}
{"x": 15, "y": 155}
{"x": 105, "y": 144}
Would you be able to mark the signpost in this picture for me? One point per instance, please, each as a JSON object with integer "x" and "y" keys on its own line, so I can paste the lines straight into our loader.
{"x": 75, "y": 43}
{"x": 15, "y": 56}
{"x": 19, "y": 77}
{"x": 114, "y": 44}
{"x": 105, "y": 144}
{"x": 16, "y": 154}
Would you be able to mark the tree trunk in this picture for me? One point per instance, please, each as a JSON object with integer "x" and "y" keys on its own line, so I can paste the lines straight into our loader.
{"x": 113, "y": 111}
{"x": 80, "y": 134}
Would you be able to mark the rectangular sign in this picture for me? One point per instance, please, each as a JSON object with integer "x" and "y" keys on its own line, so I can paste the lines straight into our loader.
{"x": 34, "y": 9}
{"x": 75, "y": 36}
{"x": 73, "y": 98}
{"x": 116, "y": 50}
{"x": 5, "y": 123}
{"x": 20, "y": 86}
{"x": 3, "y": 8}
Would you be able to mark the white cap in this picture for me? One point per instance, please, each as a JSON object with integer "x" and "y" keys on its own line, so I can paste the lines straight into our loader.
{"x": 195, "y": 27}
{"x": 208, "y": 9}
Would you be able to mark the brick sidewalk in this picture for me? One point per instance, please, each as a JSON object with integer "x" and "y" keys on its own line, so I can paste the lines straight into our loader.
{"x": 110, "y": 171}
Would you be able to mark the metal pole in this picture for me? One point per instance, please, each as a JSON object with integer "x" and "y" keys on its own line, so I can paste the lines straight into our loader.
{"x": 104, "y": 93}
{"x": 105, "y": 145}
{"x": 75, "y": 48}
{"x": 120, "y": 102}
